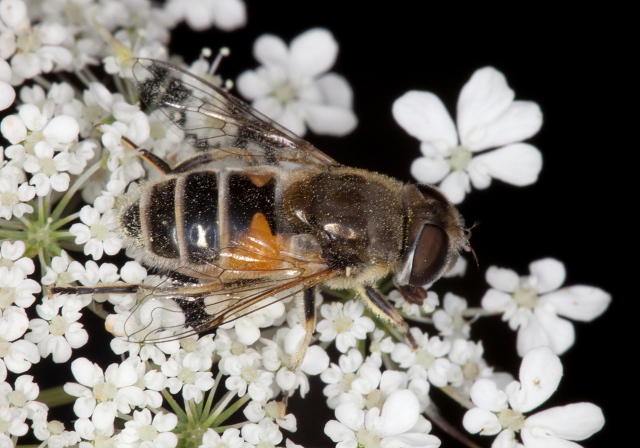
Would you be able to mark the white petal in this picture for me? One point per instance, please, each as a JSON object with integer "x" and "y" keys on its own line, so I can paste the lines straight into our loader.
{"x": 549, "y": 274}
{"x": 270, "y": 50}
{"x": 455, "y": 186}
{"x": 61, "y": 129}
{"x": 506, "y": 439}
{"x": 14, "y": 13}
{"x": 315, "y": 361}
{"x": 518, "y": 164}
{"x": 520, "y": 121}
{"x": 530, "y": 335}
{"x": 481, "y": 421}
{"x": 540, "y": 374}
{"x": 312, "y": 53}
{"x": 580, "y": 302}
{"x": 7, "y": 95}
{"x": 329, "y": 120}
{"x": 485, "y": 97}
{"x": 230, "y": 14}
{"x": 165, "y": 422}
{"x": 271, "y": 107}
{"x": 251, "y": 85}
{"x": 503, "y": 279}
{"x": 430, "y": 170}
{"x": 336, "y": 90}
{"x": 400, "y": 412}
{"x": 485, "y": 394}
{"x": 338, "y": 432}
{"x": 292, "y": 119}
{"x": 572, "y": 422}
{"x": 350, "y": 415}
{"x": 13, "y": 129}
{"x": 423, "y": 116}
{"x": 560, "y": 332}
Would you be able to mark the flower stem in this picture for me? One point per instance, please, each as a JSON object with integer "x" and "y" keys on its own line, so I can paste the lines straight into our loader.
{"x": 174, "y": 405}
{"x": 72, "y": 190}
{"x": 230, "y": 411}
{"x": 55, "y": 396}
{"x": 13, "y": 234}
{"x": 437, "y": 419}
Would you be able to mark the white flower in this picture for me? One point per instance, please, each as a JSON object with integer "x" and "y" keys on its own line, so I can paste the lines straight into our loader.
{"x": 231, "y": 438}
{"x": 280, "y": 350}
{"x": 399, "y": 423}
{"x": 227, "y": 15}
{"x": 344, "y": 323}
{"x": 7, "y": 94}
{"x": 488, "y": 117}
{"x": 189, "y": 372}
{"x": 102, "y": 395}
{"x": 428, "y": 305}
{"x": 18, "y": 355}
{"x": 449, "y": 320}
{"x": 245, "y": 373}
{"x": 292, "y": 87}
{"x": 248, "y": 327}
{"x": 11, "y": 256}
{"x": 262, "y": 434}
{"x": 16, "y": 289}
{"x": 429, "y": 358}
{"x": 55, "y": 333}
{"x": 339, "y": 377}
{"x": 97, "y": 233}
{"x": 13, "y": 197}
{"x": 147, "y": 432}
{"x": 274, "y": 410}
{"x": 502, "y": 411}
{"x": 533, "y": 303}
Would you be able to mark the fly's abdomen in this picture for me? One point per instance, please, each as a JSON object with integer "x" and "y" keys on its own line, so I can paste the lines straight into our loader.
{"x": 197, "y": 213}
{"x": 182, "y": 222}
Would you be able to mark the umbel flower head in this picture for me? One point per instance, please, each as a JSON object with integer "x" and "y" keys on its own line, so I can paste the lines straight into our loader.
{"x": 458, "y": 155}
{"x": 74, "y": 119}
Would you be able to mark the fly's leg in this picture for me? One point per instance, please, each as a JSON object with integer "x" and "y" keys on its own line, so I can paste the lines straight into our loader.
{"x": 118, "y": 288}
{"x": 385, "y": 311}
{"x": 308, "y": 308}
{"x": 307, "y": 305}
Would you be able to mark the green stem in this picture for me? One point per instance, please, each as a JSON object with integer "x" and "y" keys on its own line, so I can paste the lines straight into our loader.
{"x": 12, "y": 225}
{"x": 174, "y": 405}
{"x": 207, "y": 407}
{"x": 221, "y": 429}
{"x": 219, "y": 406}
{"x": 230, "y": 410}
{"x": 13, "y": 234}
{"x": 454, "y": 432}
{"x": 55, "y": 396}
{"x": 72, "y": 190}
{"x": 478, "y": 312}
{"x": 41, "y": 214}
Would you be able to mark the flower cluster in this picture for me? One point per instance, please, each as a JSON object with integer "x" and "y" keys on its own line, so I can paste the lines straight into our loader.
{"x": 73, "y": 150}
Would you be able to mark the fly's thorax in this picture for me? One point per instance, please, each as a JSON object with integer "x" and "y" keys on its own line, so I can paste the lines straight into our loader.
{"x": 356, "y": 215}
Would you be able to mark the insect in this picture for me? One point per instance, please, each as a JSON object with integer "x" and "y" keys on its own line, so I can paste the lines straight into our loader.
{"x": 259, "y": 215}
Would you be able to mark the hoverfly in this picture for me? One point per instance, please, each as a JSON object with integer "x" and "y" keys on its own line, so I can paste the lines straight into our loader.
{"x": 259, "y": 215}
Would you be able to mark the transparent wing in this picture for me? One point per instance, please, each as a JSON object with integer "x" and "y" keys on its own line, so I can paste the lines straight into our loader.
{"x": 214, "y": 120}
{"x": 167, "y": 315}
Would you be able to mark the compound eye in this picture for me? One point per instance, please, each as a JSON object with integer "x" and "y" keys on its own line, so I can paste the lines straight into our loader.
{"x": 429, "y": 256}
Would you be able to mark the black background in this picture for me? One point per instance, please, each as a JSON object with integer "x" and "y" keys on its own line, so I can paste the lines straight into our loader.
{"x": 577, "y": 212}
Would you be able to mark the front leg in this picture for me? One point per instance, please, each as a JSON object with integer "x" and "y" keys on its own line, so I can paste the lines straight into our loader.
{"x": 385, "y": 311}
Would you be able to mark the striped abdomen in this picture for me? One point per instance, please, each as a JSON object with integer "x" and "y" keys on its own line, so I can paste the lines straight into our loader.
{"x": 183, "y": 222}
